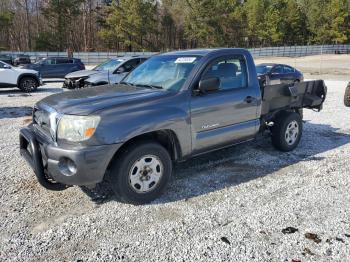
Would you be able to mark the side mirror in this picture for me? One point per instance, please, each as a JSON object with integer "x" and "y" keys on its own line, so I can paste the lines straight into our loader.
{"x": 120, "y": 70}
{"x": 7, "y": 67}
{"x": 209, "y": 84}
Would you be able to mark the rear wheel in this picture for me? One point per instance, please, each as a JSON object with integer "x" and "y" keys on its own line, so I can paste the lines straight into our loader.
{"x": 347, "y": 96}
{"x": 287, "y": 131}
{"x": 141, "y": 173}
{"x": 28, "y": 84}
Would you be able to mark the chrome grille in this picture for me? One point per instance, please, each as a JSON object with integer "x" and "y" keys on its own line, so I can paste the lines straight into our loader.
{"x": 42, "y": 119}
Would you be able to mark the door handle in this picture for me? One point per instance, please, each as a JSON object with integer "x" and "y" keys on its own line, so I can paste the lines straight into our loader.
{"x": 249, "y": 99}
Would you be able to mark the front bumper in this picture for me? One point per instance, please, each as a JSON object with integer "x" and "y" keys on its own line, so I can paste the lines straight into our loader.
{"x": 50, "y": 162}
{"x": 69, "y": 84}
{"x": 73, "y": 83}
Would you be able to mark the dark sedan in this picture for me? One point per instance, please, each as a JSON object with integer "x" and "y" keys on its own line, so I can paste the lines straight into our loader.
{"x": 278, "y": 73}
{"x": 56, "y": 67}
{"x": 6, "y": 59}
{"x": 21, "y": 59}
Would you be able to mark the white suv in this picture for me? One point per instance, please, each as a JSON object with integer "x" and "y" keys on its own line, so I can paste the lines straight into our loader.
{"x": 25, "y": 79}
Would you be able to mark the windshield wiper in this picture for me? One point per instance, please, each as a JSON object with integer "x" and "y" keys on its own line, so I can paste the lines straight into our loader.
{"x": 150, "y": 86}
{"x": 126, "y": 83}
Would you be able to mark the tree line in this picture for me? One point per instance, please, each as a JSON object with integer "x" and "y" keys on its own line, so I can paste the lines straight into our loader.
{"x": 145, "y": 25}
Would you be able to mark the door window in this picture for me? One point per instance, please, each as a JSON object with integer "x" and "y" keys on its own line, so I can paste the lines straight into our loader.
{"x": 277, "y": 70}
{"x": 49, "y": 61}
{"x": 288, "y": 69}
{"x": 231, "y": 71}
{"x": 131, "y": 65}
{"x": 64, "y": 61}
{"x": 2, "y": 65}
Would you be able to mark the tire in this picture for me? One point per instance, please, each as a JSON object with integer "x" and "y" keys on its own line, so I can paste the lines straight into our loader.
{"x": 347, "y": 96}
{"x": 132, "y": 173}
{"x": 287, "y": 131}
{"x": 28, "y": 84}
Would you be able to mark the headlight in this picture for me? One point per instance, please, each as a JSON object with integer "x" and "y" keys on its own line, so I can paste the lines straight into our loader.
{"x": 77, "y": 128}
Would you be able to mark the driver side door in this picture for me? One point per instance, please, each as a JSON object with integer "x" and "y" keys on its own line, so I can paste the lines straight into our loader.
{"x": 228, "y": 115}
{"x": 278, "y": 75}
{"x": 48, "y": 68}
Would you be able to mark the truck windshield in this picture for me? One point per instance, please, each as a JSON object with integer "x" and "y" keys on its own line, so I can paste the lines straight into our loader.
{"x": 263, "y": 69}
{"x": 110, "y": 65}
{"x": 167, "y": 72}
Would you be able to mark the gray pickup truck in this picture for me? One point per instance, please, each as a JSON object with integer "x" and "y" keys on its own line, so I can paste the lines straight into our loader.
{"x": 172, "y": 107}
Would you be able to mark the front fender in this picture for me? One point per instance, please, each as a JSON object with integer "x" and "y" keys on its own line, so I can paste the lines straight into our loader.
{"x": 96, "y": 78}
{"x": 119, "y": 126}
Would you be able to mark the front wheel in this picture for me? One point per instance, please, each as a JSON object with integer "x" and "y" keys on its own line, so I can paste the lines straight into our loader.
{"x": 28, "y": 84}
{"x": 141, "y": 173}
{"x": 287, "y": 131}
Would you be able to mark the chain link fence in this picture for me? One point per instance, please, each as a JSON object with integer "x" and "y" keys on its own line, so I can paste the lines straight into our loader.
{"x": 93, "y": 58}
{"x": 298, "y": 51}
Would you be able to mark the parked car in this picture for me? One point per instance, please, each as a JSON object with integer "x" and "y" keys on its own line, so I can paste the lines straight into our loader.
{"x": 56, "y": 67}
{"x": 25, "y": 79}
{"x": 6, "y": 59}
{"x": 278, "y": 73}
{"x": 109, "y": 72}
{"x": 21, "y": 59}
{"x": 172, "y": 107}
{"x": 347, "y": 96}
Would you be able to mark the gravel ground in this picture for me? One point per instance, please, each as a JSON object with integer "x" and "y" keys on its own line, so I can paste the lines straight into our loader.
{"x": 246, "y": 203}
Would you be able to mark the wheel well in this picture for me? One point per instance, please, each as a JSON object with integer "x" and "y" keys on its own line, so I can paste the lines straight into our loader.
{"x": 167, "y": 138}
{"x": 26, "y": 75}
{"x": 271, "y": 117}
{"x": 101, "y": 83}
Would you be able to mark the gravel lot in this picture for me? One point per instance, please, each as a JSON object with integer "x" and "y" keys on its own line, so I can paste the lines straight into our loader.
{"x": 231, "y": 205}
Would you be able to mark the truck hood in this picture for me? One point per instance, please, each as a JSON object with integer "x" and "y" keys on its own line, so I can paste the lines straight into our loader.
{"x": 89, "y": 100}
{"x": 82, "y": 73}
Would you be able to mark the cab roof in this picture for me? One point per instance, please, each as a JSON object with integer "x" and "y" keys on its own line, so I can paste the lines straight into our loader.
{"x": 267, "y": 64}
{"x": 124, "y": 58}
{"x": 203, "y": 52}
